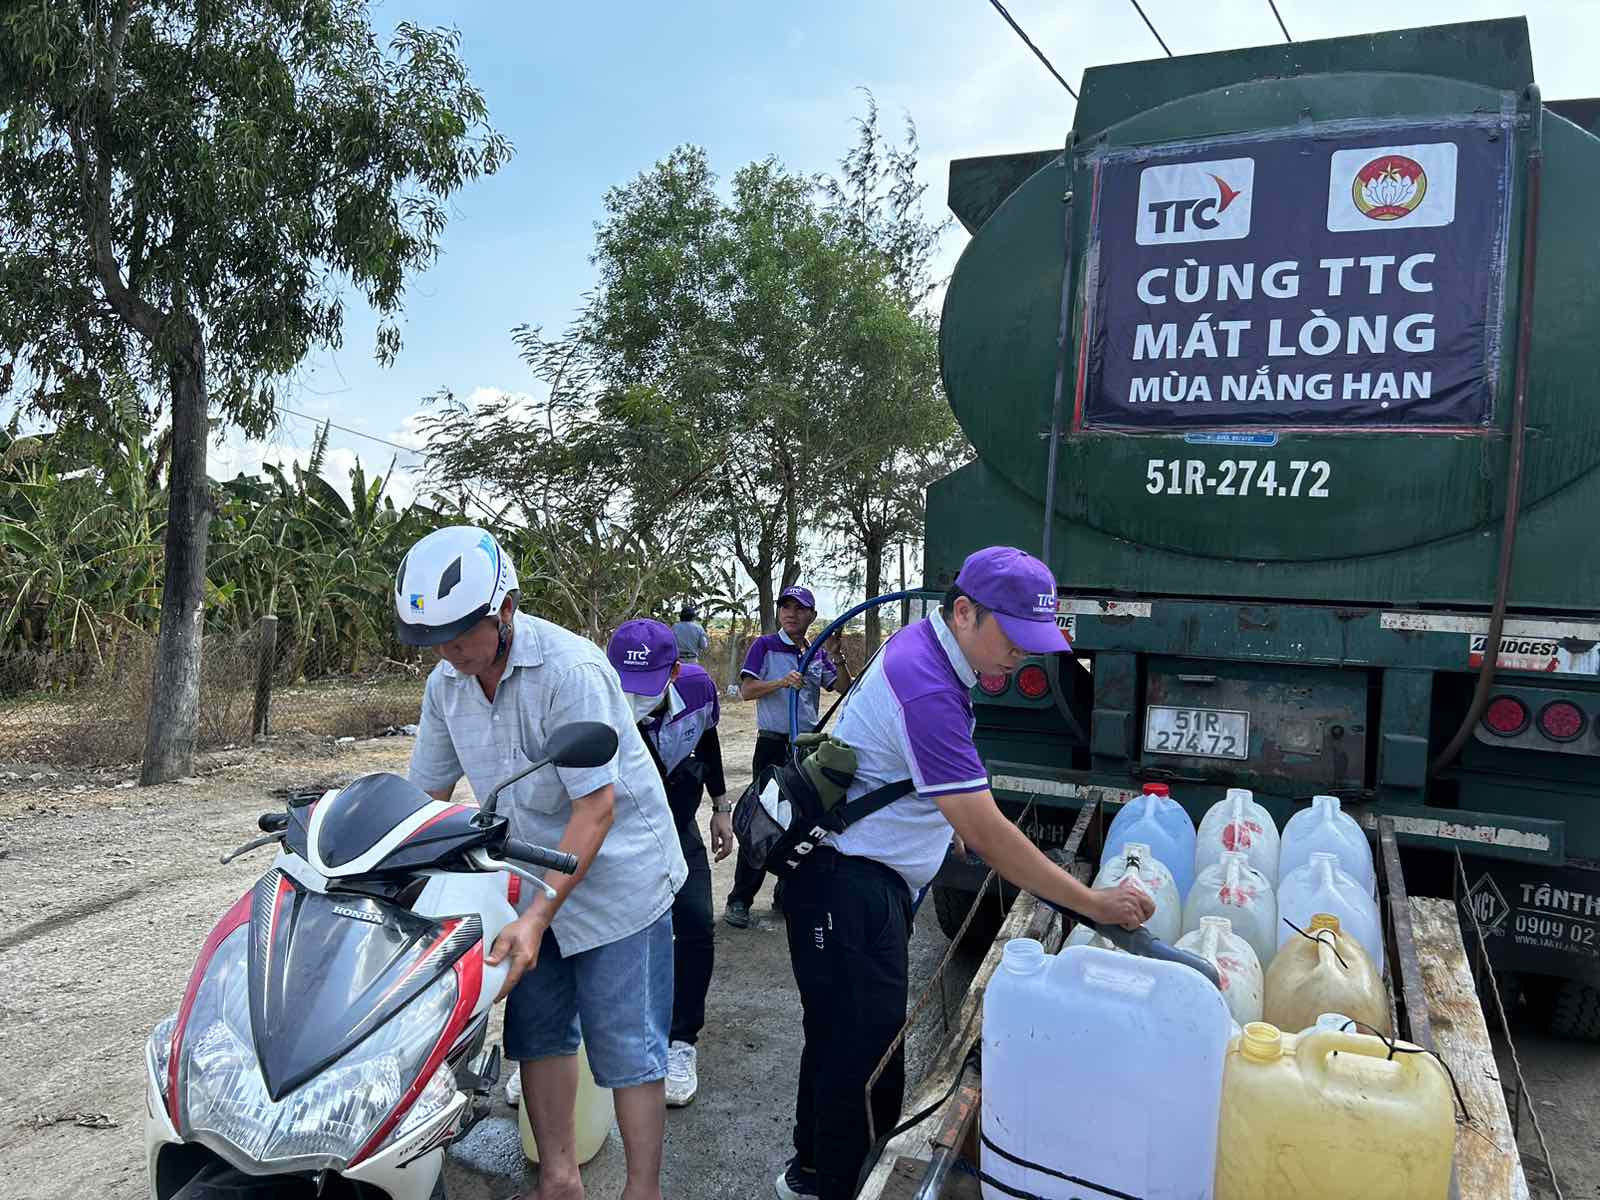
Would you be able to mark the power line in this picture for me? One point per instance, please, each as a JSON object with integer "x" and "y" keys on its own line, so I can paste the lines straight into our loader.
{"x": 412, "y": 450}
{"x": 468, "y": 492}
{"x": 1027, "y": 41}
{"x": 1274, "y": 6}
{"x": 1150, "y": 27}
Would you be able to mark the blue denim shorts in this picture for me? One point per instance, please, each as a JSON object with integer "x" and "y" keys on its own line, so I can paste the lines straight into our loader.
{"x": 616, "y": 998}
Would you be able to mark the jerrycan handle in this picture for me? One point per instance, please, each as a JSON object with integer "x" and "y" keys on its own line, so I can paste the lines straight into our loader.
{"x": 1318, "y": 1053}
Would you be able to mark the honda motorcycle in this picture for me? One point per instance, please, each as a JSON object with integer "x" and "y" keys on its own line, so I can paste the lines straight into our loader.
{"x": 330, "y": 1042}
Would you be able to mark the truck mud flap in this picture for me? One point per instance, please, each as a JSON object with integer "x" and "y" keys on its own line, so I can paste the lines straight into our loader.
{"x": 1534, "y": 918}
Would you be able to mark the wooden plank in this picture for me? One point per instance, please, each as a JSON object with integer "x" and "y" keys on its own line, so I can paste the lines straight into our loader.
{"x": 1488, "y": 1164}
{"x": 1402, "y": 945}
{"x": 1028, "y": 918}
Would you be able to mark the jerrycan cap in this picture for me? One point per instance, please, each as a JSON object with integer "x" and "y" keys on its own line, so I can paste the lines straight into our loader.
{"x": 1261, "y": 1042}
{"x": 1220, "y": 924}
{"x": 1322, "y": 921}
{"x": 1157, "y": 789}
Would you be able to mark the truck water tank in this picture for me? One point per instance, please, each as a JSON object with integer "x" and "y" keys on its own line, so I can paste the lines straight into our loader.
{"x": 1091, "y": 1061}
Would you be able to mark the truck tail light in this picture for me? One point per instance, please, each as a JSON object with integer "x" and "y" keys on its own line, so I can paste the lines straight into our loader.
{"x": 1506, "y": 716}
{"x": 993, "y": 685}
{"x": 1562, "y": 721}
{"x": 1032, "y": 682}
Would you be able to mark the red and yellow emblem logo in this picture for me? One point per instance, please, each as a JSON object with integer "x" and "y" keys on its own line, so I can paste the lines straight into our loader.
{"x": 1389, "y": 187}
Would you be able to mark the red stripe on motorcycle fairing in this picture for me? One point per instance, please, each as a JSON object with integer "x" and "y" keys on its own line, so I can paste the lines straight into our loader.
{"x": 469, "y": 981}
{"x": 436, "y": 818}
{"x": 236, "y": 916}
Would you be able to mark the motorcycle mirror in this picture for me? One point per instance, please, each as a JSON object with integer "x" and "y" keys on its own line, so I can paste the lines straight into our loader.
{"x": 581, "y": 744}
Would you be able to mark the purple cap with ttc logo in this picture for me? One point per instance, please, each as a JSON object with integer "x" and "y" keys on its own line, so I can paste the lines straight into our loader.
{"x": 798, "y": 593}
{"x": 1021, "y": 593}
{"x": 643, "y": 652}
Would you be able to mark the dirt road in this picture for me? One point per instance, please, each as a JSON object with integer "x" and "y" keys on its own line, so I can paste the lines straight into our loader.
{"x": 106, "y": 894}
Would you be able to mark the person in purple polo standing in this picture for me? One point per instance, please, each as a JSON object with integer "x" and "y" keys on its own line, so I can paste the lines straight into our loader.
{"x": 771, "y": 671}
{"x": 849, "y": 908}
{"x": 676, "y": 706}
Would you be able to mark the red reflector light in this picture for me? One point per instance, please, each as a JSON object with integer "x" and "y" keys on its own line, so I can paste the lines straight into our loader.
{"x": 1506, "y": 716}
{"x": 1562, "y": 721}
{"x": 1032, "y": 682}
{"x": 992, "y": 685}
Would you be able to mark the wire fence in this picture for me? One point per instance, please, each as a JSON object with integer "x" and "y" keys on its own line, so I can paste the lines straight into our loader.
{"x": 99, "y": 720}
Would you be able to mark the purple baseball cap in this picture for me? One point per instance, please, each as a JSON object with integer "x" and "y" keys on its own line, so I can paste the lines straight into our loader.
{"x": 1021, "y": 593}
{"x": 643, "y": 652}
{"x": 801, "y": 594}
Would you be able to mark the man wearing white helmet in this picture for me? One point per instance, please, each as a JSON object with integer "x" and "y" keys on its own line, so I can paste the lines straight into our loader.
{"x": 602, "y": 950}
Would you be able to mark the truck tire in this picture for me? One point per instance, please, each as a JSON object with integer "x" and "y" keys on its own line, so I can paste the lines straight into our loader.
{"x": 1576, "y": 1013}
{"x": 950, "y": 905}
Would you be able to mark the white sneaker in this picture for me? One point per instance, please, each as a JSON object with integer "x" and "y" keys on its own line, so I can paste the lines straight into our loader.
{"x": 682, "y": 1079}
{"x": 514, "y": 1085}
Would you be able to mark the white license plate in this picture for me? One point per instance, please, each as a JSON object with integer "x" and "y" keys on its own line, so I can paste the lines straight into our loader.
{"x": 1197, "y": 732}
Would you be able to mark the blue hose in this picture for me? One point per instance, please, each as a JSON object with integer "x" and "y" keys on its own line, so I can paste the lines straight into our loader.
{"x": 816, "y": 643}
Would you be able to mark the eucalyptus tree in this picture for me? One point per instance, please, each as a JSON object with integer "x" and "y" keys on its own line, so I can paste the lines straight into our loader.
{"x": 191, "y": 190}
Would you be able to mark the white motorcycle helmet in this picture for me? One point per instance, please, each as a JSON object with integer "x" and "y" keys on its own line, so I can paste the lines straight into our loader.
{"x": 448, "y": 582}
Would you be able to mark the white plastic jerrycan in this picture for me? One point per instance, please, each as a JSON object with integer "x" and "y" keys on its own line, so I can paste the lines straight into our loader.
{"x": 1324, "y": 828}
{"x": 1102, "y": 1066}
{"x": 1135, "y": 861}
{"x": 1321, "y": 887}
{"x": 1237, "y": 824}
{"x": 1238, "y": 969}
{"x": 1156, "y": 820}
{"x": 1232, "y": 888}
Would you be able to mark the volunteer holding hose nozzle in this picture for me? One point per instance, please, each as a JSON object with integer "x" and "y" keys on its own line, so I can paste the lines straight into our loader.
{"x": 849, "y": 907}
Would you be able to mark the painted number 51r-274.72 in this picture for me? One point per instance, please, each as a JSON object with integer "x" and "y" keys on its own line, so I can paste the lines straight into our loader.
{"x": 1237, "y": 477}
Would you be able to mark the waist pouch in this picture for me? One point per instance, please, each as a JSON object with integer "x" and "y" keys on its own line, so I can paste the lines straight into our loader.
{"x": 784, "y": 815}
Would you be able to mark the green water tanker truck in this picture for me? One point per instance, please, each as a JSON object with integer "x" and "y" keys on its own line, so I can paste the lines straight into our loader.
{"x": 1299, "y": 348}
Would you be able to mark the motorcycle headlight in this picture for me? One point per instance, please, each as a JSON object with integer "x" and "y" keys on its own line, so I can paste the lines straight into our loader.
{"x": 325, "y": 1122}
{"x": 435, "y": 1098}
{"x": 158, "y": 1052}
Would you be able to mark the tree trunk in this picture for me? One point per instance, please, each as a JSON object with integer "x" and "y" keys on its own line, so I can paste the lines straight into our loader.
{"x": 175, "y": 693}
{"x": 875, "y": 550}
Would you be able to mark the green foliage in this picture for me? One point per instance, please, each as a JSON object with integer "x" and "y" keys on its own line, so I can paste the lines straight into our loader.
{"x": 237, "y": 163}
{"x": 81, "y": 556}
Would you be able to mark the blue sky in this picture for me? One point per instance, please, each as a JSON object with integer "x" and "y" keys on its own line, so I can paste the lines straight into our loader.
{"x": 591, "y": 95}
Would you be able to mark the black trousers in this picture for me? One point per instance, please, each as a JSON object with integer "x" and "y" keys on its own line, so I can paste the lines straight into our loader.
{"x": 849, "y": 923}
{"x": 693, "y": 946}
{"x": 772, "y": 750}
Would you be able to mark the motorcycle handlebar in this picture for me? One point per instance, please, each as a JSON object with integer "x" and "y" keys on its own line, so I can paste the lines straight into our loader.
{"x": 538, "y": 856}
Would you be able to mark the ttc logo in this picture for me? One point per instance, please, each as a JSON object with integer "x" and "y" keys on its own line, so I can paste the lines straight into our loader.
{"x": 639, "y": 657}
{"x": 1196, "y": 202}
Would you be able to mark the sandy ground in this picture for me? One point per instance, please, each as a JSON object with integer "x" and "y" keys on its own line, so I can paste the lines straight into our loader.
{"x": 107, "y": 892}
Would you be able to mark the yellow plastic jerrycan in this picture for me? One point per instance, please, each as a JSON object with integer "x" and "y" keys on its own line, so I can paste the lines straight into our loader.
{"x": 594, "y": 1116}
{"x": 1326, "y": 971}
{"x": 1330, "y": 1116}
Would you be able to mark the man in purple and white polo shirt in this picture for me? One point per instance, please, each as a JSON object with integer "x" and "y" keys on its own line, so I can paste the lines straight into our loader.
{"x": 771, "y": 671}
{"x": 849, "y": 909}
{"x": 676, "y": 706}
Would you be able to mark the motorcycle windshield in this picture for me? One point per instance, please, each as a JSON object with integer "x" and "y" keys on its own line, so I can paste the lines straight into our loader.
{"x": 326, "y": 971}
